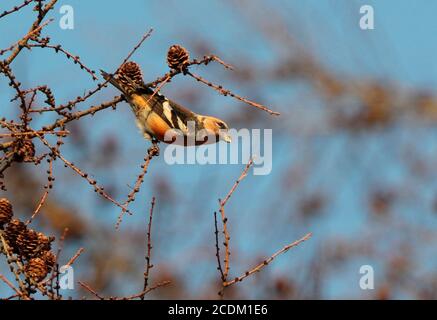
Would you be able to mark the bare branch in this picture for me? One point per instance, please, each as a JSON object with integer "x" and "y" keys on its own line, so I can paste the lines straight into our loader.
{"x": 149, "y": 248}
{"x": 260, "y": 266}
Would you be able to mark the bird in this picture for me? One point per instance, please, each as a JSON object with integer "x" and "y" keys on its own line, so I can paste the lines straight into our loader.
{"x": 161, "y": 119}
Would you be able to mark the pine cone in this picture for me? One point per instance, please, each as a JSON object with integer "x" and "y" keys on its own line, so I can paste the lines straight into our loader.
{"x": 13, "y": 229}
{"x": 31, "y": 243}
{"x": 177, "y": 57}
{"x": 28, "y": 244}
{"x": 36, "y": 269}
{"x": 5, "y": 211}
{"x": 49, "y": 259}
{"x": 24, "y": 150}
{"x": 44, "y": 242}
{"x": 132, "y": 71}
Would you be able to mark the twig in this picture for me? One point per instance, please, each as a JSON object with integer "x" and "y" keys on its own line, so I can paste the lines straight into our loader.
{"x": 258, "y": 267}
{"x": 145, "y": 36}
{"x": 90, "y": 111}
{"x": 35, "y": 26}
{"x": 8, "y": 252}
{"x": 153, "y": 151}
{"x": 73, "y": 258}
{"x": 38, "y": 207}
{"x": 54, "y": 272}
{"x": 9, "y": 284}
{"x": 224, "y": 272}
{"x": 160, "y": 82}
{"x": 58, "y": 48}
{"x": 149, "y": 248}
{"x": 226, "y": 242}
{"x": 5, "y": 69}
{"x": 226, "y": 92}
{"x": 34, "y": 133}
{"x": 172, "y": 73}
{"x": 140, "y": 295}
{"x": 240, "y": 178}
{"x": 72, "y": 103}
{"x": 208, "y": 59}
{"x": 23, "y": 41}
{"x": 217, "y": 248}
{"x": 11, "y": 297}
{"x": 92, "y": 182}
{"x": 16, "y": 8}
{"x": 88, "y": 288}
{"x": 48, "y": 187}
{"x": 158, "y": 88}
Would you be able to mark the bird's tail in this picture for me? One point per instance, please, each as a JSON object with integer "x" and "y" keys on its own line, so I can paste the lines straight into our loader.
{"x": 114, "y": 81}
{"x": 123, "y": 83}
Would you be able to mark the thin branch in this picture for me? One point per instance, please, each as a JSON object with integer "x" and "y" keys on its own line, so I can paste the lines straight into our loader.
{"x": 260, "y": 266}
{"x": 10, "y": 285}
{"x": 90, "y": 111}
{"x": 172, "y": 73}
{"x": 227, "y": 92}
{"x": 226, "y": 242}
{"x": 92, "y": 182}
{"x": 34, "y": 133}
{"x": 35, "y": 26}
{"x": 58, "y": 48}
{"x": 48, "y": 187}
{"x": 152, "y": 152}
{"x": 149, "y": 248}
{"x": 8, "y": 252}
{"x": 240, "y": 178}
{"x": 73, "y": 258}
{"x": 140, "y": 295}
{"x": 23, "y": 41}
{"x": 15, "y": 9}
{"x": 145, "y": 36}
{"x": 224, "y": 272}
{"x": 217, "y": 248}
{"x": 54, "y": 272}
{"x": 88, "y": 288}
{"x": 132, "y": 297}
{"x": 6, "y": 70}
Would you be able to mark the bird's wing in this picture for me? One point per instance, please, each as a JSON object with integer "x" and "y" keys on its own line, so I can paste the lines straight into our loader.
{"x": 176, "y": 115}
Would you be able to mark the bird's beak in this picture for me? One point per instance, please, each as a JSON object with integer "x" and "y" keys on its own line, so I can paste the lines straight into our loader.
{"x": 225, "y": 137}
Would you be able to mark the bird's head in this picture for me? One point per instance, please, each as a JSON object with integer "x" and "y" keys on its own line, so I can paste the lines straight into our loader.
{"x": 216, "y": 127}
